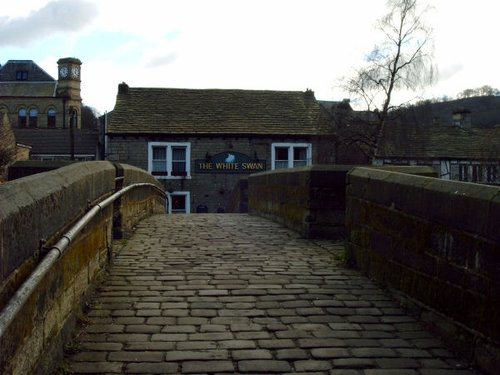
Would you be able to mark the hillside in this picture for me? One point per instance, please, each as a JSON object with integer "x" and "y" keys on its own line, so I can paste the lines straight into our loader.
{"x": 484, "y": 111}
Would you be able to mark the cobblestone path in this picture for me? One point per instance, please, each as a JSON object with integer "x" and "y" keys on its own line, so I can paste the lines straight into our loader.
{"x": 209, "y": 294}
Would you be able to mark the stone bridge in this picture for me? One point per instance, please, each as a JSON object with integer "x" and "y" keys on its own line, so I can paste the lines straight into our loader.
{"x": 390, "y": 273}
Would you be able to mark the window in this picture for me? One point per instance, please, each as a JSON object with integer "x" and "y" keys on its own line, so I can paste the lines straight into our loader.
{"x": 159, "y": 161}
{"x": 281, "y": 157}
{"x": 33, "y": 118}
{"x": 22, "y": 118}
{"x": 169, "y": 160}
{"x": 179, "y": 161}
{"x": 463, "y": 172}
{"x": 51, "y": 118}
{"x": 291, "y": 155}
{"x": 299, "y": 156}
{"x": 491, "y": 174}
{"x": 477, "y": 173}
{"x": 179, "y": 202}
{"x": 22, "y": 75}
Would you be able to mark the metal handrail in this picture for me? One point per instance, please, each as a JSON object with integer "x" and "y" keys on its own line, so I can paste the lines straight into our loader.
{"x": 55, "y": 252}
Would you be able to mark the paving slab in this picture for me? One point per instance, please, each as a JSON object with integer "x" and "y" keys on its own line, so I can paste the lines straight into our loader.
{"x": 233, "y": 293}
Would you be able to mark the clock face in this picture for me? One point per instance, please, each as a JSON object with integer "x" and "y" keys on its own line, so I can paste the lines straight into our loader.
{"x": 75, "y": 72}
{"x": 63, "y": 72}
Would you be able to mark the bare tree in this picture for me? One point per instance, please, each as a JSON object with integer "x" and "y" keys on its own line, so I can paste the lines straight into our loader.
{"x": 89, "y": 118}
{"x": 480, "y": 91}
{"x": 402, "y": 61}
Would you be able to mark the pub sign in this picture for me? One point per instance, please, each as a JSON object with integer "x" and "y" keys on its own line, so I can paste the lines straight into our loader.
{"x": 229, "y": 162}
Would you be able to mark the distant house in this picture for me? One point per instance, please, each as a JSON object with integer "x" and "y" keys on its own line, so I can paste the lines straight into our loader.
{"x": 60, "y": 144}
{"x": 455, "y": 152}
{"x": 10, "y": 150}
{"x": 45, "y": 113}
{"x": 199, "y": 143}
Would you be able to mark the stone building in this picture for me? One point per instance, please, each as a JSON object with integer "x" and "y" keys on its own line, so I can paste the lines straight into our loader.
{"x": 10, "y": 150}
{"x": 455, "y": 152}
{"x": 202, "y": 143}
{"x": 33, "y": 99}
{"x": 46, "y": 113}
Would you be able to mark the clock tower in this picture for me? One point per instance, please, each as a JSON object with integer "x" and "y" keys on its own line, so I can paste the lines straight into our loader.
{"x": 68, "y": 88}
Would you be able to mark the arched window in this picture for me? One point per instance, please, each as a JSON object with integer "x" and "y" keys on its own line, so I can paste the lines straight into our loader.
{"x": 51, "y": 118}
{"x": 33, "y": 118}
{"x": 21, "y": 118}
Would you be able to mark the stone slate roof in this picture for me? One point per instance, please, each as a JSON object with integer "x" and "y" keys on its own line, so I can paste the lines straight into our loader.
{"x": 57, "y": 141}
{"x": 35, "y": 73}
{"x": 215, "y": 111}
{"x": 29, "y": 89}
{"x": 423, "y": 142}
{"x": 38, "y": 84}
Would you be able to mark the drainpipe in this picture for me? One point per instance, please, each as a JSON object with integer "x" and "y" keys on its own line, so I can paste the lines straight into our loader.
{"x": 72, "y": 119}
{"x": 169, "y": 203}
{"x": 64, "y": 112}
{"x": 105, "y": 156}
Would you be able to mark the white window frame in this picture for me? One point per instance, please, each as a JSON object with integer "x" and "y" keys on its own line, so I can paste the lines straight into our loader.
{"x": 291, "y": 146}
{"x": 168, "y": 146}
{"x": 187, "y": 194}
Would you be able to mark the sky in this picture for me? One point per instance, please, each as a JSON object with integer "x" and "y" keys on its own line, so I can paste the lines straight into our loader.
{"x": 239, "y": 44}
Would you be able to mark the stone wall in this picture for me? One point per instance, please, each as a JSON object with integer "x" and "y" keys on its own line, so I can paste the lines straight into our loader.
{"x": 310, "y": 200}
{"x": 137, "y": 203}
{"x": 238, "y": 197}
{"x": 44, "y": 206}
{"x": 439, "y": 243}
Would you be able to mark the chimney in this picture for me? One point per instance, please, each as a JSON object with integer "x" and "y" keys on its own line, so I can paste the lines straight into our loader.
{"x": 309, "y": 94}
{"x": 123, "y": 89}
{"x": 461, "y": 118}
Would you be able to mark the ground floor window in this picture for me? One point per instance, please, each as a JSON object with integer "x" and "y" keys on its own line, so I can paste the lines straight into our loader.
{"x": 492, "y": 174}
{"x": 178, "y": 202}
{"x": 477, "y": 173}
{"x": 291, "y": 155}
{"x": 463, "y": 172}
{"x": 473, "y": 172}
{"x": 470, "y": 172}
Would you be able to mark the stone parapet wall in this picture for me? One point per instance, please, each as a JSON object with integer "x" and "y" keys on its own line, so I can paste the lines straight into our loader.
{"x": 40, "y": 206}
{"x": 309, "y": 200}
{"x": 44, "y": 206}
{"x": 238, "y": 197}
{"x": 436, "y": 241}
{"x": 137, "y": 203}
{"x": 47, "y": 319}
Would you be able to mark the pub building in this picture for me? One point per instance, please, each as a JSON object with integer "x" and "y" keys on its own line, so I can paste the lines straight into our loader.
{"x": 201, "y": 144}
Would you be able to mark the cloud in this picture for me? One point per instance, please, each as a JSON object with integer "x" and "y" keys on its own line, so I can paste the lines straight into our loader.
{"x": 450, "y": 71}
{"x": 55, "y": 17}
{"x": 162, "y": 60}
